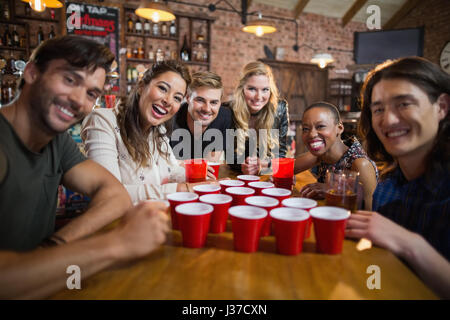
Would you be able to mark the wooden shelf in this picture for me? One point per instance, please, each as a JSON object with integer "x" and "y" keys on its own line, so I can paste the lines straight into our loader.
{"x": 198, "y": 63}
{"x": 37, "y": 19}
{"x": 149, "y": 36}
{"x": 13, "y": 48}
{"x": 14, "y": 22}
{"x": 139, "y": 60}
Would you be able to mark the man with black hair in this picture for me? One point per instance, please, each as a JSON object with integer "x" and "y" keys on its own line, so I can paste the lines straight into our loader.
{"x": 60, "y": 85}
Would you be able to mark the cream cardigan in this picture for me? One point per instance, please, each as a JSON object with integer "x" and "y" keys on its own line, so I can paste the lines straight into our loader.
{"x": 103, "y": 143}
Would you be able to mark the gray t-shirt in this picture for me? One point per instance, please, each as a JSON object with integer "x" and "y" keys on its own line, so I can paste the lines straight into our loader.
{"x": 29, "y": 188}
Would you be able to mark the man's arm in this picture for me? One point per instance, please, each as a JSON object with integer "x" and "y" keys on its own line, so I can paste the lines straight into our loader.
{"x": 42, "y": 272}
{"x": 431, "y": 267}
{"x": 109, "y": 199}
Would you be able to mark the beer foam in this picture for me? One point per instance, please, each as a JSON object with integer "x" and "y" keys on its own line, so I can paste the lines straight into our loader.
{"x": 213, "y": 163}
{"x": 182, "y": 196}
{"x": 206, "y": 188}
{"x": 300, "y": 203}
{"x": 261, "y": 184}
{"x": 194, "y": 208}
{"x": 289, "y": 214}
{"x": 330, "y": 213}
{"x": 276, "y": 192}
{"x": 231, "y": 183}
{"x": 247, "y": 212}
{"x": 261, "y": 201}
{"x": 216, "y": 198}
{"x": 240, "y": 190}
{"x": 248, "y": 177}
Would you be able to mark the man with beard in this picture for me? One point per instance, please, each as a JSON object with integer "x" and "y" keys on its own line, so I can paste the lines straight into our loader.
{"x": 59, "y": 87}
{"x": 203, "y": 119}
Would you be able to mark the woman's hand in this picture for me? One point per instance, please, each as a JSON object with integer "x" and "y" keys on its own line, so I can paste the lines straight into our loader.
{"x": 210, "y": 173}
{"x": 313, "y": 191}
{"x": 251, "y": 166}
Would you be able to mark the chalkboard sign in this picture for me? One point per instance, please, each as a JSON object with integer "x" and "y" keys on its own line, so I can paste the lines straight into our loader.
{"x": 95, "y": 22}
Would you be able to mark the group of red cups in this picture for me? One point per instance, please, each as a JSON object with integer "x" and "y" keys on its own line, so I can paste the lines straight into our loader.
{"x": 257, "y": 209}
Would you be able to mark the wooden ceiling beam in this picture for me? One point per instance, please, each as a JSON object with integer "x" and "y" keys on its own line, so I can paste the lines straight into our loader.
{"x": 401, "y": 13}
{"x": 348, "y": 16}
{"x": 301, "y": 4}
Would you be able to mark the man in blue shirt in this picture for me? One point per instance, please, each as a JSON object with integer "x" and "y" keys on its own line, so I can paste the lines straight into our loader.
{"x": 405, "y": 122}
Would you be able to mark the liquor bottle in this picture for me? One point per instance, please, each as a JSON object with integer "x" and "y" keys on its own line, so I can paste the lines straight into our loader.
{"x": 40, "y": 35}
{"x": 185, "y": 52}
{"x": 52, "y": 14}
{"x": 1, "y": 41}
{"x": 15, "y": 37}
{"x": 167, "y": 53}
{"x": 138, "y": 26}
{"x": 164, "y": 29}
{"x": 23, "y": 41}
{"x": 7, "y": 38}
{"x": 135, "y": 51}
{"x": 151, "y": 54}
{"x": 11, "y": 63}
{"x": 11, "y": 91}
{"x": 51, "y": 34}
{"x": 147, "y": 27}
{"x": 129, "y": 52}
{"x": 135, "y": 75}
{"x": 155, "y": 29}
{"x": 130, "y": 27}
{"x": 129, "y": 74}
{"x": 27, "y": 9}
{"x": 141, "y": 54}
{"x": 159, "y": 55}
{"x": 173, "y": 29}
{"x": 6, "y": 13}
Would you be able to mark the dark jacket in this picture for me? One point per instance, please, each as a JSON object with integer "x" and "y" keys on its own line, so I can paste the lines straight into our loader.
{"x": 281, "y": 122}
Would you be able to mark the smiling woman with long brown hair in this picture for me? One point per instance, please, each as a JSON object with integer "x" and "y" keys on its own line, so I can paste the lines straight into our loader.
{"x": 130, "y": 140}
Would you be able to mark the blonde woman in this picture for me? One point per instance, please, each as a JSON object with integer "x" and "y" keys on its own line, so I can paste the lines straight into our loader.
{"x": 130, "y": 140}
{"x": 256, "y": 106}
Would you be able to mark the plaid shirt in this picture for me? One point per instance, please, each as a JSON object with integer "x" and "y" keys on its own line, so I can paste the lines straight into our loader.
{"x": 421, "y": 205}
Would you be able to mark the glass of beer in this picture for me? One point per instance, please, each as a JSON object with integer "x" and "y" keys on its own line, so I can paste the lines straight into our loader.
{"x": 342, "y": 189}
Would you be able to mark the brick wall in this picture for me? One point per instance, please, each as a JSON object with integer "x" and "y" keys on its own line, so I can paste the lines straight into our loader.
{"x": 434, "y": 15}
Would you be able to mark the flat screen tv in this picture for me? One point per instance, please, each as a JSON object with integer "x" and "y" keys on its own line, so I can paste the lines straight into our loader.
{"x": 378, "y": 46}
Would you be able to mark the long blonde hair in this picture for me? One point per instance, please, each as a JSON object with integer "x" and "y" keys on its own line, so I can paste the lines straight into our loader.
{"x": 265, "y": 117}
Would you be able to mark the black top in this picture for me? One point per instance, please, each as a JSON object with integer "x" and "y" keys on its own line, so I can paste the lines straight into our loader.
{"x": 207, "y": 141}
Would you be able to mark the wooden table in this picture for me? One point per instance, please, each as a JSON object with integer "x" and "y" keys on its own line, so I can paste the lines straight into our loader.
{"x": 218, "y": 272}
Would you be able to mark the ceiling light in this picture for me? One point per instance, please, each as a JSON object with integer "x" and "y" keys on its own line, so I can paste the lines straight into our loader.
{"x": 40, "y": 5}
{"x": 259, "y": 26}
{"x": 155, "y": 11}
{"x": 322, "y": 59}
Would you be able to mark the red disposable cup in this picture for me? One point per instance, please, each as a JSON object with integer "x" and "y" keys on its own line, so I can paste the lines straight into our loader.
{"x": 216, "y": 167}
{"x": 195, "y": 170}
{"x": 267, "y": 203}
{"x": 221, "y": 204}
{"x": 179, "y": 198}
{"x": 194, "y": 221}
{"x": 302, "y": 203}
{"x": 247, "y": 178}
{"x": 246, "y": 223}
{"x": 203, "y": 189}
{"x": 239, "y": 194}
{"x": 290, "y": 225}
{"x": 259, "y": 186}
{"x": 230, "y": 183}
{"x": 278, "y": 193}
{"x": 110, "y": 100}
{"x": 283, "y": 172}
{"x": 283, "y": 167}
{"x": 329, "y": 228}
